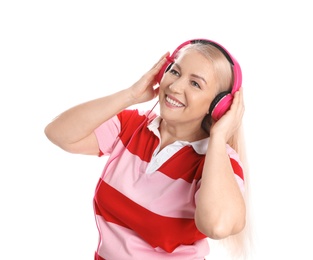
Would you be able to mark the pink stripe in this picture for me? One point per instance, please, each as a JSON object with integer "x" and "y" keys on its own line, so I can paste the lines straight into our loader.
{"x": 241, "y": 183}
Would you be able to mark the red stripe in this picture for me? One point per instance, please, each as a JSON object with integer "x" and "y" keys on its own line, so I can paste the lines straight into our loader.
{"x": 159, "y": 231}
{"x": 237, "y": 168}
{"x": 97, "y": 257}
{"x": 186, "y": 164}
{"x": 132, "y": 122}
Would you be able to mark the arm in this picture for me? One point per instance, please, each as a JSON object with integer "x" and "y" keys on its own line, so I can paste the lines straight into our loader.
{"x": 73, "y": 130}
{"x": 220, "y": 210}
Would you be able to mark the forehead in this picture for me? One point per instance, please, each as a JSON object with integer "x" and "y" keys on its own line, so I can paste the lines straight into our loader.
{"x": 193, "y": 61}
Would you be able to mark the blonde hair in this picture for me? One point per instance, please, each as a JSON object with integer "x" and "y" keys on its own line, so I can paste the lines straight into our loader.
{"x": 239, "y": 246}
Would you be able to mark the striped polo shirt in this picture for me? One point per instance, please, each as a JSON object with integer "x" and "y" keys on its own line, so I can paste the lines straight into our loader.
{"x": 144, "y": 202}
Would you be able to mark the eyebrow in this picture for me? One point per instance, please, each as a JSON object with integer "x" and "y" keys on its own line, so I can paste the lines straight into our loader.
{"x": 193, "y": 75}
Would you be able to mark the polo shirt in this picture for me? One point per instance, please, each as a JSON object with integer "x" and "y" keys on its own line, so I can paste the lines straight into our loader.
{"x": 144, "y": 201}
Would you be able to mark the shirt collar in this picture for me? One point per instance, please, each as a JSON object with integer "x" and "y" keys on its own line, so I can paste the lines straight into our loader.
{"x": 199, "y": 146}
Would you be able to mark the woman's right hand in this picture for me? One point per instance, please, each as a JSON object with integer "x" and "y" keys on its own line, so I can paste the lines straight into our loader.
{"x": 143, "y": 90}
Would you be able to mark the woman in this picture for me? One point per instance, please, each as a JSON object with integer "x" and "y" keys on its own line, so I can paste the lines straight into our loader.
{"x": 171, "y": 180}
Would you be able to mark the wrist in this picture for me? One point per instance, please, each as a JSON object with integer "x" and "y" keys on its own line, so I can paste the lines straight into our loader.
{"x": 218, "y": 139}
{"x": 127, "y": 95}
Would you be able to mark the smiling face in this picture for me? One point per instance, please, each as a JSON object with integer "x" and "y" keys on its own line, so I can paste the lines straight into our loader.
{"x": 187, "y": 90}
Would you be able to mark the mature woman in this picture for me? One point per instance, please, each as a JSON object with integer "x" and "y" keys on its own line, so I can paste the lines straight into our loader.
{"x": 172, "y": 179}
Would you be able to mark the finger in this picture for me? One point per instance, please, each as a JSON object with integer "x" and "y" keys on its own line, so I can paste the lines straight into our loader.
{"x": 239, "y": 103}
{"x": 161, "y": 60}
{"x": 158, "y": 66}
{"x": 241, "y": 100}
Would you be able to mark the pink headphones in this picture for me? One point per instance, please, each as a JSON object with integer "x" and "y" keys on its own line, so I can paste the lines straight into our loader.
{"x": 222, "y": 102}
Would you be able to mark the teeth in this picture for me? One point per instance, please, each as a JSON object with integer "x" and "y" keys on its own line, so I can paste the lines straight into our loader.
{"x": 173, "y": 102}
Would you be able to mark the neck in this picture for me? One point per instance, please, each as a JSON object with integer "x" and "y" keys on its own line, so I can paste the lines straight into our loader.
{"x": 170, "y": 133}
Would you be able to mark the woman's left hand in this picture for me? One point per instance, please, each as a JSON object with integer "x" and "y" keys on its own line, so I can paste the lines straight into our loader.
{"x": 230, "y": 122}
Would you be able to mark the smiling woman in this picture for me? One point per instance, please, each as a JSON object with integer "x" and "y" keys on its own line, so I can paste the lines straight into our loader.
{"x": 179, "y": 175}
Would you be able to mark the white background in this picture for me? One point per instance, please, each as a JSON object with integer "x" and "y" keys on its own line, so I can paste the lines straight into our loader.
{"x": 56, "y": 54}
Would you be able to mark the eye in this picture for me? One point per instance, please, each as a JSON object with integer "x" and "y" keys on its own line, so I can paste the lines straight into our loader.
{"x": 174, "y": 72}
{"x": 195, "y": 84}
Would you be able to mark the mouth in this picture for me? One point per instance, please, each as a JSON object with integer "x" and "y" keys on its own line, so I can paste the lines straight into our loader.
{"x": 173, "y": 102}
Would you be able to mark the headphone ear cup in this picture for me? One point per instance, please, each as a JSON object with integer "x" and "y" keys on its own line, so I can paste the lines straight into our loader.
{"x": 168, "y": 67}
{"x": 220, "y": 105}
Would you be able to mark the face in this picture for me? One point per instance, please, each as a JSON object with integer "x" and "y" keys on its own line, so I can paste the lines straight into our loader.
{"x": 187, "y": 90}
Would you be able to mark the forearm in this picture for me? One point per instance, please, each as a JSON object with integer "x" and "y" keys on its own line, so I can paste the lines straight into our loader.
{"x": 80, "y": 121}
{"x": 220, "y": 207}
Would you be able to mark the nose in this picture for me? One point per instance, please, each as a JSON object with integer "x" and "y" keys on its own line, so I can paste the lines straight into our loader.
{"x": 177, "y": 86}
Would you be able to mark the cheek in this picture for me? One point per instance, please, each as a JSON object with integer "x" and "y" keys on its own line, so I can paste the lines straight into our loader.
{"x": 205, "y": 106}
{"x": 202, "y": 103}
{"x": 162, "y": 86}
